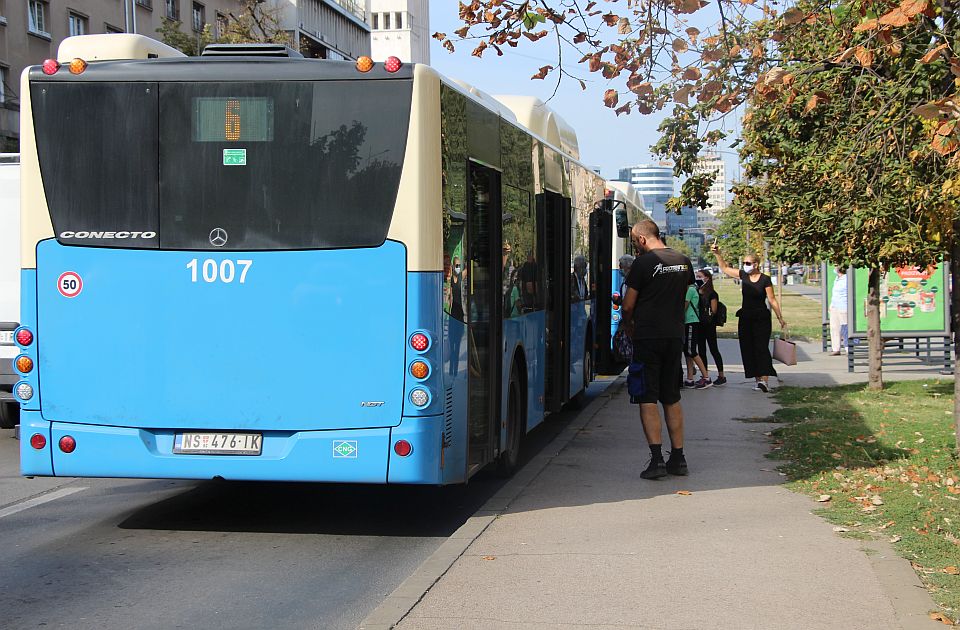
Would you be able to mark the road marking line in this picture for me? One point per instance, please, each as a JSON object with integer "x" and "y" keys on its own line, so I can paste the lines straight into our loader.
{"x": 45, "y": 498}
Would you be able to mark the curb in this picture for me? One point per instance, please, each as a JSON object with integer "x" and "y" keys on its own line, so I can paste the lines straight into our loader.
{"x": 401, "y": 601}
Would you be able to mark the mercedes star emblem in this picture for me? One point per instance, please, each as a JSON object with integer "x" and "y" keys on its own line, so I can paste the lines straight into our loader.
{"x": 218, "y": 237}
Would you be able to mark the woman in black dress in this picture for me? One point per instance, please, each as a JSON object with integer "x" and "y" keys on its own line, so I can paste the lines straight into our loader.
{"x": 754, "y": 326}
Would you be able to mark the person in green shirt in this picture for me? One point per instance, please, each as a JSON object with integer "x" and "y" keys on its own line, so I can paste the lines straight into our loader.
{"x": 691, "y": 338}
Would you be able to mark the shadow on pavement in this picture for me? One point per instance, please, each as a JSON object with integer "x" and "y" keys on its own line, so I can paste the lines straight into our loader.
{"x": 346, "y": 509}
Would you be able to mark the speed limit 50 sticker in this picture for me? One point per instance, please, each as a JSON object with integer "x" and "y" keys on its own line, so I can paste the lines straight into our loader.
{"x": 70, "y": 284}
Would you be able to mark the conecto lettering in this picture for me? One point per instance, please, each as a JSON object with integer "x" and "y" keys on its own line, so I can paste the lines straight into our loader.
{"x": 106, "y": 235}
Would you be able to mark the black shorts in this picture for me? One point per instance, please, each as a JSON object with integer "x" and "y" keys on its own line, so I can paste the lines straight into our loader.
{"x": 660, "y": 361}
{"x": 691, "y": 337}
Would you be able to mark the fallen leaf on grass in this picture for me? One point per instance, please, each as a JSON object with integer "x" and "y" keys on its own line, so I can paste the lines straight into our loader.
{"x": 685, "y": 493}
{"x": 489, "y": 557}
{"x": 896, "y": 539}
{"x": 939, "y": 616}
{"x": 952, "y": 570}
{"x": 876, "y": 500}
{"x": 823, "y": 498}
{"x": 887, "y": 524}
{"x": 840, "y": 530}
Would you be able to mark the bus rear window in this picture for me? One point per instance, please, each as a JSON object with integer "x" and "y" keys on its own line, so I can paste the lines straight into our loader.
{"x": 281, "y": 165}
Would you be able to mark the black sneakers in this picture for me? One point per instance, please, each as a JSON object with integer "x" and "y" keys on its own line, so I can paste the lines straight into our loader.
{"x": 655, "y": 470}
{"x": 676, "y": 465}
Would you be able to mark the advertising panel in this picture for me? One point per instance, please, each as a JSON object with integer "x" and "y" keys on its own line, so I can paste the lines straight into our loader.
{"x": 914, "y": 302}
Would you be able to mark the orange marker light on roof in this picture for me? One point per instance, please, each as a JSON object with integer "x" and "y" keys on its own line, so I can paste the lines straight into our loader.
{"x": 364, "y": 64}
{"x": 77, "y": 66}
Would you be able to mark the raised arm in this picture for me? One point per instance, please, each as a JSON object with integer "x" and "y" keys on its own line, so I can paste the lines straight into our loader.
{"x": 724, "y": 267}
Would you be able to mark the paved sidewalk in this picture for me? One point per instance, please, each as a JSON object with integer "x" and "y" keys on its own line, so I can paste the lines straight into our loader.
{"x": 588, "y": 543}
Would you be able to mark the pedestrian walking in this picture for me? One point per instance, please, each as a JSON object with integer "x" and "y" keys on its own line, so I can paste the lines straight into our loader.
{"x": 838, "y": 312}
{"x": 709, "y": 307}
{"x": 654, "y": 308}
{"x": 754, "y": 325}
{"x": 691, "y": 340}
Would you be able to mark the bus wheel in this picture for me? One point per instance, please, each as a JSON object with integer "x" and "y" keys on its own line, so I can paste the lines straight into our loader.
{"x": 580, "y": 399}
{"x": 9, "y": 415}
{"x": 509, "y": 458}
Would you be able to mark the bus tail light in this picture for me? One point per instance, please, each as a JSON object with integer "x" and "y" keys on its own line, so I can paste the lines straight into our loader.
{"x": 364, "y": 64}
{"x": 24, "y": 391}
{"x": 392, "y": 64}
{"x": 68, "y": 444}
{"x": 77, "y": 66}
{"x": 24, "y": 337}
{"x": 420, "y": 369}
{"x": 24, "y": 363}
{"x": 51, "y": 66}
{"x": 615, "y": 300}
{"x": 402, "y": 448}
{"x": 419, "y": 342}
{"x": 37, "y": 441}
{"x": 420, "y": 397}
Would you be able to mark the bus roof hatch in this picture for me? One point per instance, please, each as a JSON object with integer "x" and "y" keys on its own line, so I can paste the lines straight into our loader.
{"x": 249, "y": 50}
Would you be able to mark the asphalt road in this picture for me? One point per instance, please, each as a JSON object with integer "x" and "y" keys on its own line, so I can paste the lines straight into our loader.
{"x": 95, "y": 553}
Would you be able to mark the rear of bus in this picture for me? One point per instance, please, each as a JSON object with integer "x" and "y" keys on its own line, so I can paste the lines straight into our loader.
{"x": 212, "y": 286}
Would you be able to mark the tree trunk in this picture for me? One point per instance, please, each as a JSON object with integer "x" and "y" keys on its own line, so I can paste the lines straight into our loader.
{"x": 955, "y": 326}
{"x": 874, "y": 339}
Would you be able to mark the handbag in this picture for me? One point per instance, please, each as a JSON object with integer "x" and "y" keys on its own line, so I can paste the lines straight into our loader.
{"x": 622, "y": 346}
{"x": 784, "y": 350}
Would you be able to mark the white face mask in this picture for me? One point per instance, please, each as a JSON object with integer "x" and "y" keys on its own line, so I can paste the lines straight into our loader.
{"x": 748, "y": 267}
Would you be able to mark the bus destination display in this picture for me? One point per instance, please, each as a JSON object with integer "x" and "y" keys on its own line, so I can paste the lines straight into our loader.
{"x": 233, "y": 119}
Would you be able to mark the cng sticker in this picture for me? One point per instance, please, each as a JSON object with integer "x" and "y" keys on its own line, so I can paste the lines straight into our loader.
{"x": 69, "y": 284}
{"x": 234, "y": 157}
{"x": 345, "y": 449}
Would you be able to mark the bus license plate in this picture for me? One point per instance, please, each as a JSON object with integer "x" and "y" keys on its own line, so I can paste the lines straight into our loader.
{"x": 6, "y": 337}
{"x": 218, "y": 443}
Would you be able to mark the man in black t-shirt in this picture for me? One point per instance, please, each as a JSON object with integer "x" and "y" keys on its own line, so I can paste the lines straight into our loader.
{"x": 654, "y": 307}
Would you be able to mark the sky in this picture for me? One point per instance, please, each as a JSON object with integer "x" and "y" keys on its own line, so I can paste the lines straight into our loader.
{"x": 607, "y": 141}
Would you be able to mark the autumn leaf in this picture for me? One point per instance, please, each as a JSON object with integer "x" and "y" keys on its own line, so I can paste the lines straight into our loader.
{"x": 638, "y": 86}
{"x": 611, "y": 98}
{"x": 685, "y": 493}
{"x": 542, "y": 73}
{"x": 866, "y": 25}
{"x": 440, "y": 36}
{"x": 815, "y": 100}
{"x": 911, "y": 8}
{"x": 679, "y": 45}
{"x": 939, "y": 616}
{"x": 693, "y": 33}
{"x": 823, "y": 498}
{"x": 930, "y": 111}
{"x": 489, "y": 558}
{"x": 864, "y": 56}
{"x": 748, "y": 2}
{"x": 844, "y": 56}
{"x": 944, "y": 141}
{"x": 689, "y": 6}
{"x": 933, "y": 54}
{"x": 895, "y": 18}
{"x": 683, "y": 94}
{"x": 624, "y": 27}
{"x": 611, "y": 19}
{"x": 951, "y": 570}
{"x": 691, "y": 74}
{"x": 793, "y": 16}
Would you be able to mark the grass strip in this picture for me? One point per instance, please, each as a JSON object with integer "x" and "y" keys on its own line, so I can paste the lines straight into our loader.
{"x": 884, "y": 465}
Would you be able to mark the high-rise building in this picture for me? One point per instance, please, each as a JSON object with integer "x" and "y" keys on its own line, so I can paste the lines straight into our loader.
{"x": 327, "y": 29}
{"x": 712, "y": 163}
{"x": 655, "y": 183}
{"x": 400, "y": 28}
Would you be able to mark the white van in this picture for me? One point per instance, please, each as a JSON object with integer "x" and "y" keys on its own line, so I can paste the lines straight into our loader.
{"x": 9, "y": 284}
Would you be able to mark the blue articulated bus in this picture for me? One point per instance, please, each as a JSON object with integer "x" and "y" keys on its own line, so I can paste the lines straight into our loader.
{"x": 249, "y": 265}
{"x": 622, "y": 207}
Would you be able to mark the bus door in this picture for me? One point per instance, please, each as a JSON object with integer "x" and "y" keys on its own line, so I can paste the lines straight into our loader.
{"x": 601, "y": 271}
{"x": 484, "y": 313}
{"x": 554, "y": 222}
